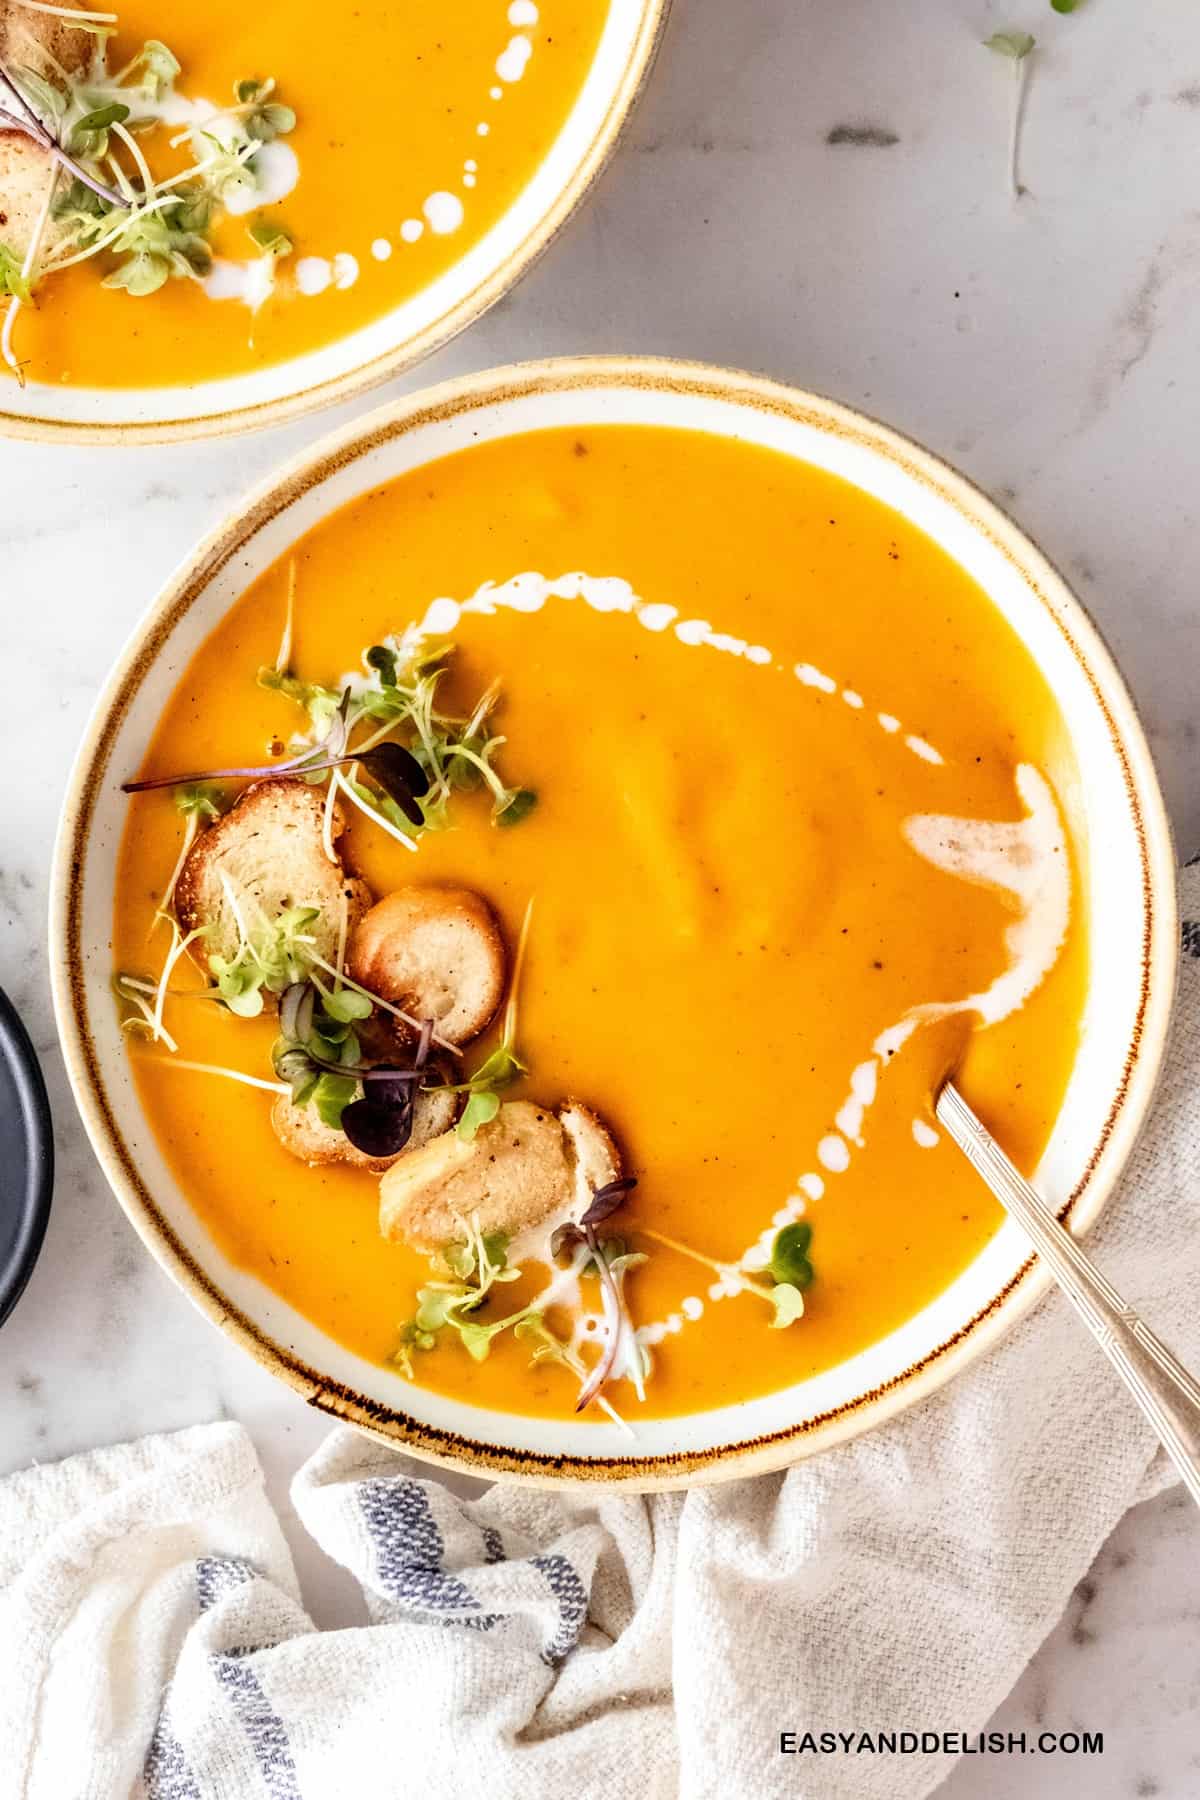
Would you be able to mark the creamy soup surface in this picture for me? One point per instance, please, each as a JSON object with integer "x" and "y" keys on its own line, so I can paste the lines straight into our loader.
{"x": 796, "y": 781}
{"x": 415, "y": 128}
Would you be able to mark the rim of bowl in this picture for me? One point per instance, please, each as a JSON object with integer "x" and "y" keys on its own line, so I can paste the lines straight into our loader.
{"x": 413, "y": 350}
{"x": 1158, "y": 952}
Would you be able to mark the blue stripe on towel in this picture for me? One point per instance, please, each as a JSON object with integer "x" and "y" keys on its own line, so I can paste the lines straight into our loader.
{"x": 217, "y": 1576}
{"x": 409, "y": 1553}
{"x": 567, "y": 1588}
{"x": 261, "y": 1724}
{"x": 165, "y": 1771}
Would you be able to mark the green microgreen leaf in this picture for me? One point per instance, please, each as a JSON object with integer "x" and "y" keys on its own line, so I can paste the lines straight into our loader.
{"x": 481, "y": 1109}
{"x": 140, "y": 274}
{"x": 789, "y": 1255}
{"x": 103, "y": 116}
{"x": 271, "y": 238}
{"x": 1014, "y": 44}
{"x": 1064, "y": 6}
{"x": 320, "y": 703}
{"x": 13, "y": 281}
{"x": 200, "y": 798}
{"x": 383, "y": 661}
{"x": 331, "y": 1095}
{"x": 345, "y": 1005}
{"x": 788, "y": 1304}
{"x": 519, "y": 807}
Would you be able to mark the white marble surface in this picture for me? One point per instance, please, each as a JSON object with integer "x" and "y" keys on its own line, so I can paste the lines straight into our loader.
{"x": 1050, "y": 349}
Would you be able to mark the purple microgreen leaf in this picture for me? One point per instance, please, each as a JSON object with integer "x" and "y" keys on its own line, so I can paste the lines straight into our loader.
{"x": 566, "y": 1237}
{"x": 389, "y": 1085}
{"x": 396, "y": 770}
{"x": 377, "y": 1130}
{"x": 289, "y": 1008}
{"x": 607, "y": 1200}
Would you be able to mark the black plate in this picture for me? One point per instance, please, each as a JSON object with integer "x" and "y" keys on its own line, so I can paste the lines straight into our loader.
{"x": 26, "y": 1157}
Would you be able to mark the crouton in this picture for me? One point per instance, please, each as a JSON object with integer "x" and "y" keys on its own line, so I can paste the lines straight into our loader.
{"x": 512, "y": 1175}
{"x": 269, "y": 849}
{"x": 303, "y": 1133}
{"x": 594, "y": 1157}
{"x": 523, "y": 1169}
{"x": 25, "y": 170}
{"x": 435, "y": 952}
{"x": 22, "y": 30}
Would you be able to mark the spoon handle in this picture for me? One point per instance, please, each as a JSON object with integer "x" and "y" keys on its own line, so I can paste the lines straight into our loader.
{"x": 1167, "y": 1394}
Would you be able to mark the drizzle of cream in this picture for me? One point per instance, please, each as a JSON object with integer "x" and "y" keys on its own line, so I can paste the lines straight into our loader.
{"x": 1026, "y": 859}
{"x": 345, "y": 269}
{"x": 513, "y": 60}
{"x": 925, "y": 751}
{"x": 411, "y": 230}
{"x": 313, "y": 274}
{"x": 276, "y": 172}
{"x": 849, "y": 1120}
{"x": 833, "y": 1153}
{"x": 251, "y": 282}
{"x": 443, "y": 212}
{"x": 381, "y": 249}
{"x": 924, "y": 1134}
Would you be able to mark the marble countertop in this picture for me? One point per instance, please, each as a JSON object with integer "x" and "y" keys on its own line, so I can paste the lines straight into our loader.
{"x": 818, "y": 192}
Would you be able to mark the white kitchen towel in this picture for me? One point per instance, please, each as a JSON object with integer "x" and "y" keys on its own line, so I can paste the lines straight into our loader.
{"x": 152, "y": 1639}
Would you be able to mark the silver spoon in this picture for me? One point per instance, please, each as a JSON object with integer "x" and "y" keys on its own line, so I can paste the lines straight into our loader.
{"x": 1162, "y": 1387}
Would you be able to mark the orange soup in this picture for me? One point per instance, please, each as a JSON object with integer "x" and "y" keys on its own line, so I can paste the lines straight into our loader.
{"x": 393, "y": 138}
{"x": 796, "y": 851}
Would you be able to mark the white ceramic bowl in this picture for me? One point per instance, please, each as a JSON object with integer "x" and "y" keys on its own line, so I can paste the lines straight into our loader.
{"x": 409, "y": 332}
{"x": 1128, "y": 872}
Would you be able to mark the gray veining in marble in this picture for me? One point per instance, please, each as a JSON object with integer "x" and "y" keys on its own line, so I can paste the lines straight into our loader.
{"x": 816, "y": 191}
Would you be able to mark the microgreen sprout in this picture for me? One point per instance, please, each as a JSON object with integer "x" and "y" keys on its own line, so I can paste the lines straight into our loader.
{"x": 478, "y": 1262}
{"x": 455, "y": 754}
{"x": 199, "y": 802}
{"x": 1017, "y": 46}
{"x": 271, "y": 955}
{"x": 623, "y": 1354}
{"x": 549, "y": 1348}
{"x": 782, "y": 1292}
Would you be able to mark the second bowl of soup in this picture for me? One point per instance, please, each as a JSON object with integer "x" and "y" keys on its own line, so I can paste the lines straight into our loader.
{"x": 217, "y": 216}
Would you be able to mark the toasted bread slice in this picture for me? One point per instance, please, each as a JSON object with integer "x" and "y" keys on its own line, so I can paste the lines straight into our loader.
{"x": 594, "y": 1157}
{"x": 436, "y": 952}
{"x": 513, "y": 1174}
{"x": 268, "y": 847}
{"x": 25, "y": 176}
{"x": 21, "y": 30}
{"x": 25, "y": 170}
{"x": 303, "y": 1133}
